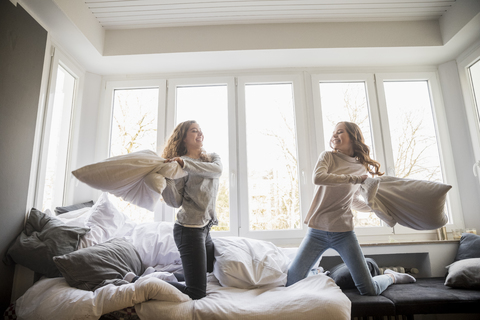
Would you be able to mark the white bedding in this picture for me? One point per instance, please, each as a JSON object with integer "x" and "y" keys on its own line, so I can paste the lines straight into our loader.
{"x": 53, "y": 298}
{"x": 316, "y": 297}
{"x": 255, "y": 280}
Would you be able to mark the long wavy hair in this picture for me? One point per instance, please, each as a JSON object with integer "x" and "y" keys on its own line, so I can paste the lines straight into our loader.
{"x": 360, "y": 150}
{"x": 175, "y": 146}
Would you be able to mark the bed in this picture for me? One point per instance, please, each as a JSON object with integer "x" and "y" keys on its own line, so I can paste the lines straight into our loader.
{"x": 247, "y": 282}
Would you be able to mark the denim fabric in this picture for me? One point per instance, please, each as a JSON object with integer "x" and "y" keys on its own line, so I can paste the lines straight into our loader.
{"x": 316, "y": 242}
{"x": 197, "y": 253}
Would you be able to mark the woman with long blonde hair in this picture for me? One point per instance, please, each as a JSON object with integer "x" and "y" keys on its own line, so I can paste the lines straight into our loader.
{"x": 195, "y": 195}
{"x": 337, "y": 178}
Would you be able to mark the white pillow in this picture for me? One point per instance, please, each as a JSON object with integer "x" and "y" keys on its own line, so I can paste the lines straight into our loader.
{"x": 137, "y": 177}
{"x": 156, "y": 246}
{"x": 247, "y": 263}
{"x": 106, "y": 222}
{"x": 76, "y": 218}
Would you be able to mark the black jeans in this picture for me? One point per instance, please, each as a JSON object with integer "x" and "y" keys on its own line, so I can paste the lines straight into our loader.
{"x": 197, "y": 253}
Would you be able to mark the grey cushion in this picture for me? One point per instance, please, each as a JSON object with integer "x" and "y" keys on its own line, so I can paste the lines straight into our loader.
{"x": 469, "y": 247}
{"x": 73, "y": 207}
{"x": 464, "y": 274}
{"x": 43, "y": 238}
{"x": 105, "y": 263}
{"x": 342, "y": 277}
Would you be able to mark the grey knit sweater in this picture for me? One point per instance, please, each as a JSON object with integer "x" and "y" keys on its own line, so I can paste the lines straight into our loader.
{"x": 196, "y": 193}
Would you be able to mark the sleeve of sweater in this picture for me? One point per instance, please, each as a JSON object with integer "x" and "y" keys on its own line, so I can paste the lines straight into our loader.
{"x": 173, "y": 192}
{"x": 321, "y": 176}
{"x": 205, "y": 169}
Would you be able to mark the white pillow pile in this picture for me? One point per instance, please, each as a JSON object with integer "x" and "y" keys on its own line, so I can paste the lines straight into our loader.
{"x": 153, "y": 240}
{"x": 156, "y": 246}
{"x": 106, "y": 222}
{"x": 248, "y": 263}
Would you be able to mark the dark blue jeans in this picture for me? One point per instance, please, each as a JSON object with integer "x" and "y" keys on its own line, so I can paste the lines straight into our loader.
{"x": 197, "y": 253}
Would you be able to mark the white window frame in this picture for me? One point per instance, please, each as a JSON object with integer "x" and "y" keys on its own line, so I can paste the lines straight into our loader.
{"x": 304, "y": 163}
{"x": 104, "y": 128}
{"x": 58, "y": 58}
{"x": 374, "y": 115}
{"x": 170, "y": 121}
{"x": 310, "y": 140}
{"x": 443, "y": 139}
{"x": 472, "y": 110}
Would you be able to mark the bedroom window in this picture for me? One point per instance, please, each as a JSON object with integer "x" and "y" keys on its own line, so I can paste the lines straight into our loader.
{"x": 347, "y": 101}
{"x": 58, "y": 132}
{"x": 272, "y": 166}
{"x": 412, "y": 130}
{"x": 474, "y": 73}
{"x": 414, "y": 133}
{"x": 134, "y": 128}
{"x": 211, "y": 103}
{"x": 273, "y": 160}
{"x": 58, "y": 122}
{"x": 401, "y": 122}
{"x": 349, "y": 98}
{"x": 208, "y": 105}
{"x": 251, "y": 124}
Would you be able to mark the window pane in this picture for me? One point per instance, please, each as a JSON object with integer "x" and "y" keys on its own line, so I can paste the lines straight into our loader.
{"x": 347, "y": 101}
{"x": 475, "y": 78}
{"x": 273, "y": 185}
{"x": 412, "y": 130}
{"x": 58, "y": 140}
{"x": 134, "y": 128}
{"x": 208, "y": 105}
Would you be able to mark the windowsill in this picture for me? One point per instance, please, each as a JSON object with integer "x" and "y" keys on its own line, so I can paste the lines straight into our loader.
{"x": 403, "y": 243}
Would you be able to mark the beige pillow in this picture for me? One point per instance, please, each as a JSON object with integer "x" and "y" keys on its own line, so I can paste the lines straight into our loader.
{"x": 417, "y": 204}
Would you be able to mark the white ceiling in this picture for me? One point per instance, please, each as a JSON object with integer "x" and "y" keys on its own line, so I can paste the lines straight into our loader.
{"x": 169, "y": 36}
{"x": 167, "y": 13}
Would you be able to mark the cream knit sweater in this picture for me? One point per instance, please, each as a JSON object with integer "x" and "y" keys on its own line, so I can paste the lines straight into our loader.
{"x": 337, "y": 177}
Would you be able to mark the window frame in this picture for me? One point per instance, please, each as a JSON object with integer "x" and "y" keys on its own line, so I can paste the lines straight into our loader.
{"x": 304, "y": 163}
{"x": 310, "y": 140}
{"x": 443, "y": 140}
{"x": 58, "y": 58}
{"x": 169, "y": 126}
{"x": 472, "y": 110}
{"x": 374, "y": 116}
{"x": 104, "y": 131}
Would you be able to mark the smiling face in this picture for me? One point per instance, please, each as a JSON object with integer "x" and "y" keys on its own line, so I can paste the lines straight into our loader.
{"x": 194, "y": 138}
{"x": 341, "y": 140}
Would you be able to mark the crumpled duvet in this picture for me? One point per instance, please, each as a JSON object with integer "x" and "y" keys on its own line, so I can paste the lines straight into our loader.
{"x": 416, "y": 204}
{"x": 137, "y": 177}
{"x": 54, "y": 299}
{"x": 316, "y": 297}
